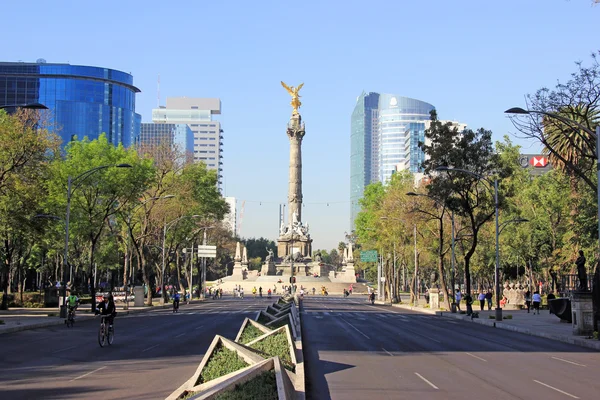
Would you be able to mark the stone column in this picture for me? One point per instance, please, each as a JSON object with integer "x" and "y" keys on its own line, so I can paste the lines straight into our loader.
{"x": 295, "y": 132}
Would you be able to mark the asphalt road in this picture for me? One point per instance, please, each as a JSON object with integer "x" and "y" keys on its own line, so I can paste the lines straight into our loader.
{"x": 354, "y": 350}
{"x": 153, "y": 353}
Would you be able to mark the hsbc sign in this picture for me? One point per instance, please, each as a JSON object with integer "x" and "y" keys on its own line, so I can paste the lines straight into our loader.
{"x": 536, "y": 163}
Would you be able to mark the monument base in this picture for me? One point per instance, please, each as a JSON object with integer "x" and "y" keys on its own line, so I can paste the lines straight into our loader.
{"x": 434, "y": 299}
{"x": 582, "y": 313}
{"x": 286, "y": 247}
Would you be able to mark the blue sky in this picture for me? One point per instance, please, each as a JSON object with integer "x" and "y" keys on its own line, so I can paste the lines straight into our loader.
{"x": 470, "y": 59}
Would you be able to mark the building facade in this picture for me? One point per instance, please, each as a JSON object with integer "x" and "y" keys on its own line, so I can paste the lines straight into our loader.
{"x": 197, "y": 113}
{"x": 385, "y": 133}
{"x": 177, "y": 136}
{"x": 84, "y": 101}
{"x": 230, "y": 219}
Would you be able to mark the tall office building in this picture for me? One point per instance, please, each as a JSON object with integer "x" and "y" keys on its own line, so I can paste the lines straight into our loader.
{"x": 230, "y": 219}
{"x": 83, "y": 100}
{"x": 197, "y": 113}
{"x": 385, "y": 133}
{"x": 177, "y": 136}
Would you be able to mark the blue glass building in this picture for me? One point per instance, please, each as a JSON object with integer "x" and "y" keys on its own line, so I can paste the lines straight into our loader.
{"x": 385, "y": 133}
{"x": 83, "y": 100}
{"x": 179, "y": 137}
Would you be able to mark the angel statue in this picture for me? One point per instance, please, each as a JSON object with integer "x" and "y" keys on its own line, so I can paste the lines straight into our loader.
{"x": 293, "y": 91}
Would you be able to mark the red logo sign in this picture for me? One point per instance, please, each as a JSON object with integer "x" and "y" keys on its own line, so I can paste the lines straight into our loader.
{"x": 538, "y": 162}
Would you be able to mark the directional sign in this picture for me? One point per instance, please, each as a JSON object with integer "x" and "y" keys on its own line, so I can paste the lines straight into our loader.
{"x": 368, "y": 256}
{"x": 207, "y": 251}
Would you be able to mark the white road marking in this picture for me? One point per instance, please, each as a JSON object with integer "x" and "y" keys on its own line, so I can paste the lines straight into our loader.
{"x": 567, "y": 361}
{"x": 387, "y": 352}
{"x": 474, "y": 356}
{"x": 180, "y": 335}
{"x": 198, "y": 327}
{"x": 61, "y": 350}
{"x": 89, "y": 373}
{"x": 150, "y": 348}
{"x": 353, "y": 327}
{"x": 425, "y": 380}
{"x": 558, "y": 390}
{"x": 427, "y": 337}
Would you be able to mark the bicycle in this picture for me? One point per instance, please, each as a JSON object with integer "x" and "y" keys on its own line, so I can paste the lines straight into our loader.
{"x": 70, "y": 321}
{"x": 106, "y": 333}
{"x": 176, "y": 306}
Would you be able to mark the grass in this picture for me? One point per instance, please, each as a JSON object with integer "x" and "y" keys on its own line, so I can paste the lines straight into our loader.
{"x": 508, "y": 316}
{"x": 263, "y": 387}
{"x": 491, "y": 316}
{"x": 222, "y": 362}
{"x": 250, "y": 333}
{"x": 276, "y": 345}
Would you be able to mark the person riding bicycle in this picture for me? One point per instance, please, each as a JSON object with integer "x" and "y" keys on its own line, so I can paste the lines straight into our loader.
{"x": 72, "y": 303}
{"x": 176, "y": 298}
{"x": 107, "y": 307}
{"x": 372, "y": 297}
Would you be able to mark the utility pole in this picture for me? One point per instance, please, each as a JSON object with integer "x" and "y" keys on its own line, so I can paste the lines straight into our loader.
{"x": 416, "y": 301}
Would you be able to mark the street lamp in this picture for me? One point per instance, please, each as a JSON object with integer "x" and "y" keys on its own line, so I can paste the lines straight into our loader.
{"x": 77, "y": 181}
{"x": 496, "y": 209}
{"x": 130, "y": 235}
{"x": 168, "y": 226}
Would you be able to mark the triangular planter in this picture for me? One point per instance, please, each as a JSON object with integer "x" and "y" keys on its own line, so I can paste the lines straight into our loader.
{"x": 272, "y": 310}
{"x": 291, "y": 348}
{"x": 264, "y": 318}
{"x": 285, "y": 388}
{"x": 284, "y": 320}
{"x": 249, "y": 322}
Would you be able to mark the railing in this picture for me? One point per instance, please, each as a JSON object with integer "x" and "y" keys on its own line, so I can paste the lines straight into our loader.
{"x": 570, "y": 283}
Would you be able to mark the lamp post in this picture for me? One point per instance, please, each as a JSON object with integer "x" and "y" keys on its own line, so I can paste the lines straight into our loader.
{"x": 72, "y": 185}
{"x": 496, "y": 211}
{"x": 129, "y": 236}
{"x": 203, "y": 277}
{"x": 168, "y": 226}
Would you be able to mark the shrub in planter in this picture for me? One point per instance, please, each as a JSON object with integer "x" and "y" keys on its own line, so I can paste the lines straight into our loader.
{"x": 491, "y": 316}
{"x": 264, "y": 318}
{"x": 250, "y": 333}
{"x": 222, "y": 362}
{"x": 276, "y": 345}
{"x": 509, "y": 316}
{"x": 264, "y": 386}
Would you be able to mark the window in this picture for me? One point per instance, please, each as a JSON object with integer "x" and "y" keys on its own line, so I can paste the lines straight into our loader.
{"x": 194, "y": 107}
{"x": 212, "y": 138}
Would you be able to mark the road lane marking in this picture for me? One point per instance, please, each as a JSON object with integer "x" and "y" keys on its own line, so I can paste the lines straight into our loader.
{"x": 427, "y": 337}
{"x": 558, "y": 390}
{"x": 425, "y": 380}
{"x": 68, "y": 348}
{"x": 89, "y": 373}
{"x": 198, "y": 327}
{"x": 353, "y": 327}
{"x": 387, "y": 352}
{"x": 474, "y": 356}
{"x": 567, "y": 361}
{"x": 180, "y": 335}
{"x": 150, "y": 348}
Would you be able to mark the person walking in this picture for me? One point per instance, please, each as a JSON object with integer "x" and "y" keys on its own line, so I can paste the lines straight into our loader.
{"x": 458, "y": 298}
{"x": 481, "y": 299}
{"x": 528, "y": 300}
{"x": 260, "y": 291}
{"x": 488, "y": 297}
{"x": 537, "y": 300}
{"x": 550, "y": 296}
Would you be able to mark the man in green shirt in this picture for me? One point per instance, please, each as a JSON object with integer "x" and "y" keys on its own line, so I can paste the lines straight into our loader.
{"x": 72, "y": 302}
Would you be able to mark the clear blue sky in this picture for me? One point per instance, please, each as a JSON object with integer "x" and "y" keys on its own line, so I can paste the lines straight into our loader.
{"x": 470, "y": 59}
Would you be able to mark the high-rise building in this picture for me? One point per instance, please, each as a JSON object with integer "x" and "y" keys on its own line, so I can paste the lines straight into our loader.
{"x": 178, "y": 136}
{"x": 385, "y": 133}
{"x": 197, "y": 113}
{"x": 84, "y": 101}
{"x": 230, "y": 219}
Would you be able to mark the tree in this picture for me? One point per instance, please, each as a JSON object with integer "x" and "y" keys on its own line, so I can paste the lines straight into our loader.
{"x": 472, "y": 197}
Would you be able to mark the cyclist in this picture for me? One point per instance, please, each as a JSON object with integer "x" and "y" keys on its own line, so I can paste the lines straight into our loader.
{"x": 72, "y": 303}
{"x": 176, "y": 298}
{"x": 107, "y": 307}
{"x": 372, "y": 297}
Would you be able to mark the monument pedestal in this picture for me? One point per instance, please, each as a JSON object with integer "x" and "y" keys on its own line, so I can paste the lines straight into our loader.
{"x": 434, "y": 299}
{"x": 138, "y": 293}
{"x": 350, "y": 273}
{"x": 288, "y": 247}
{"x": 582, "y": 313}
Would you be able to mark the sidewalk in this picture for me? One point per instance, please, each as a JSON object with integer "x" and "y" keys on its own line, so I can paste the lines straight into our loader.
{"x": 19, "y": 319}
{"x": 543, "y": 325}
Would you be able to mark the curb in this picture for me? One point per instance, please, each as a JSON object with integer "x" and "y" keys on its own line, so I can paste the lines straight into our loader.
{"x": 575, "y": 340}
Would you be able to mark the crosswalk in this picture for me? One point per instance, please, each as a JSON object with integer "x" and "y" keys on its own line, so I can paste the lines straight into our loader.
{"x": 365, "y": 315}
{"x": 196, "y": 312}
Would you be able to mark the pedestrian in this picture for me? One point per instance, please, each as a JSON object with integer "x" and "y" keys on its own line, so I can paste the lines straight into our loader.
{"x": 528, "y": 300}
{"x": 503, "y": 301}
{"x": 481, "y": 299}
{"x": 269, "y": 293}
{"x": 488, "y": 297}
{"x": 260, "y": 291}
{"x": 550, "y": 296}
{"x": 537, "y": 300}
{"x": 458, "y": 298}
{"x": 241, "y": 292}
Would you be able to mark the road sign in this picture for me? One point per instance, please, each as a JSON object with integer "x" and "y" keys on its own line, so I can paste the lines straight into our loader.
{"x": 207, "y": 251}
{"x": 368, "y": 256}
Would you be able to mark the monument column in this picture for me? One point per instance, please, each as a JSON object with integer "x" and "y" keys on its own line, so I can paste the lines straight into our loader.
{"x": 295, "y": 132}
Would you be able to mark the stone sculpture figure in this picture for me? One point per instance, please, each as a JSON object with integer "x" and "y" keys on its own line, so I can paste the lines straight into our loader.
{"x": 293, "y": 91}
{"x": 581, "y": 272}
{"x": 270, "y": 255}
{"x": 318, "y": 257}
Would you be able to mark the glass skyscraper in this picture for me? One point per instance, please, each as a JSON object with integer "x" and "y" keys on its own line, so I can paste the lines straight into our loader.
{"x": 178, "y": 136}
{"x": 83, "y": 100}
{"x": 385, "y": 133}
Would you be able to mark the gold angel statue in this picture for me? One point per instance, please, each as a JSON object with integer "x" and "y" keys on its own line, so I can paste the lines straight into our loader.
{"x": 293, "y": 91}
